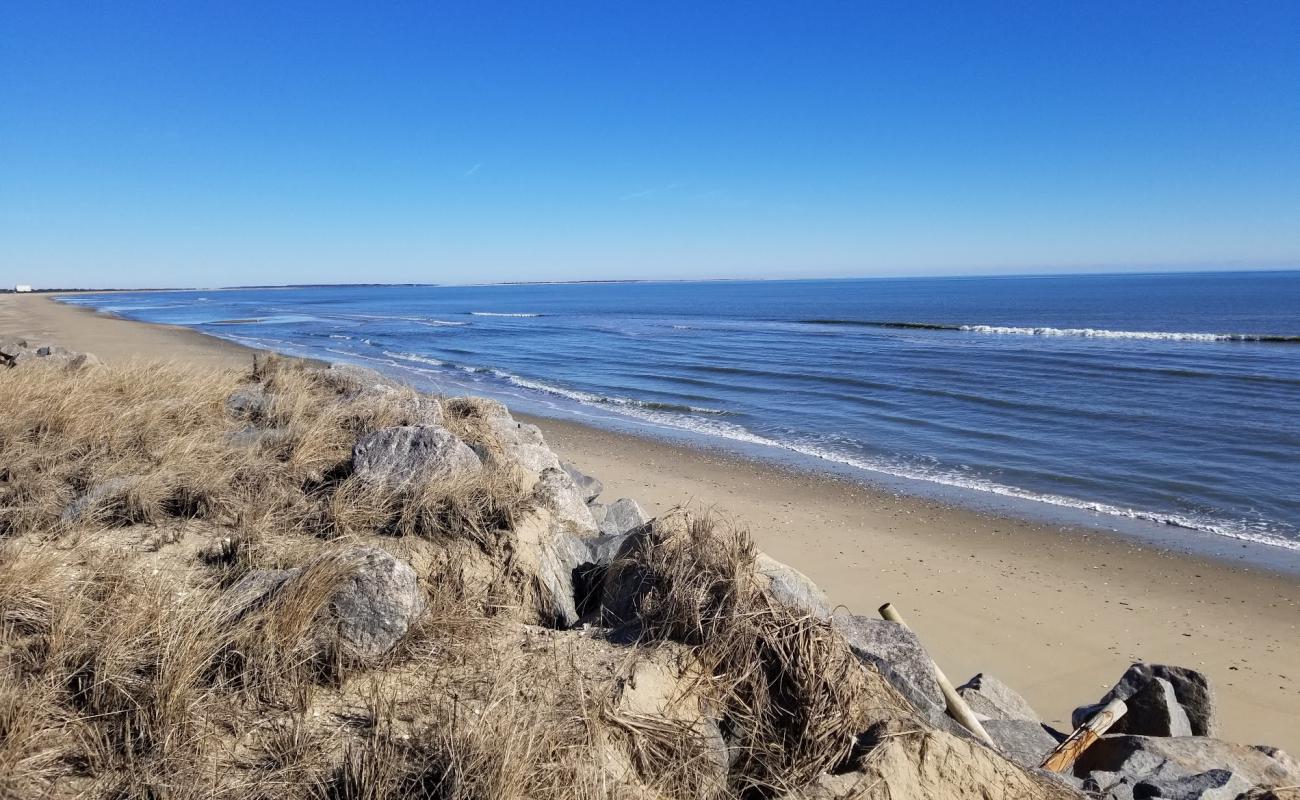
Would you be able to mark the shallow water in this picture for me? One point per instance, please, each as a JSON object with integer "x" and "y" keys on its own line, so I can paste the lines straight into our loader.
{"x": 1169, "y": 398}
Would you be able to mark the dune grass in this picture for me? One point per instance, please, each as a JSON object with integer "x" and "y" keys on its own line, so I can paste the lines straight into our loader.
{"x": 133, "y": 497}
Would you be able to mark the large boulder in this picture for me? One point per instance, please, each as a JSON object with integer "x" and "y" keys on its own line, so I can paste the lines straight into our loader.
{"x": 373, "y": 601}
{"x": 990, "y": 698}
{"x": 546, "y": 549}
{"x": 1158, "y": 761}
{"x": 376, "y": 603}
{"x": 249, "y": 402}
{"x": 518, "y": 444}
{"x": 1192, "y": 693}
{"x": 619, "y": 517}
{"x": 1169, "y": 784}
{"x": 1025, "y": 742}
{"x": 898, "y": 654}
{"x": 411, "y": 454}
{"x": 11, "y": 349}
{"x": 789, "y": 587}
{"x": 589, "y": 486}
{"x": 557, "y": 491}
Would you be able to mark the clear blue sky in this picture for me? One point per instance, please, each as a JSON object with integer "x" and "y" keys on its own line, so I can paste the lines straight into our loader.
{"x": 150, "y": 144}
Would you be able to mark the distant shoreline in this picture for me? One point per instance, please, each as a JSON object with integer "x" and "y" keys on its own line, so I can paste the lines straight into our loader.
{"x": 618, "y": 281}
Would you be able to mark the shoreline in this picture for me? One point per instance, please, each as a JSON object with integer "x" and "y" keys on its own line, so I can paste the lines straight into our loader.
{"x": 1058, "y": 611}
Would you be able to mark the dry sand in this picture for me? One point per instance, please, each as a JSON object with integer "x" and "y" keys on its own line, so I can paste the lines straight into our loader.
{"x": 1057, "y": 613}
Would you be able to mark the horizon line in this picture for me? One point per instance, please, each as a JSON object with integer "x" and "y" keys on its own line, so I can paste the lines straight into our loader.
{"x": 605, "y": 281}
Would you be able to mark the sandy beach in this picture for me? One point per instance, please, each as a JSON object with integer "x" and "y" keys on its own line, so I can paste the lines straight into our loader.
{"x": 1057, "y": 613}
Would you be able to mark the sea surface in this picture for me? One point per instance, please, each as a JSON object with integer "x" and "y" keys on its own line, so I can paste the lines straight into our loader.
{"x": 1170, "y": 399}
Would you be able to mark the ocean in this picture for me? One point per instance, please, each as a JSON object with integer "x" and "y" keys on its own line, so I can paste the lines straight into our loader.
{"x": 1169, "y": 400}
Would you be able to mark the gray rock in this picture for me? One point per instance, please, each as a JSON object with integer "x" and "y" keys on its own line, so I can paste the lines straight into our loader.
{"x": 789, "y": 587}
{"x": 252, "y": 591}
{"x": 562, "y": 496}
{"x": 521, "y": 444}
{"x": 351, "y": 381}
{"x": 83, "y": 508}
{"x": 1025, "y": 742}
{"x": 53, "y": 350}
{"x": 589, "y": 486}
{"x": 1154, "y": 711}
{"x": 899, "y": 656}
{"x": 249, "y": 402}
{"x": 377, "y": 603}
{"x": 1192, "y": 690}
{"x": 602, "y": 550}
{"x": 12, "y": 348}
{"x": 547, "y": 549}
{"x": 619, "y": 517}
{"x": 1155, "y": 760}
{"x": 371, "y": 608}
{"x": 411, "y": 453}
{"x": 990, "y": 698}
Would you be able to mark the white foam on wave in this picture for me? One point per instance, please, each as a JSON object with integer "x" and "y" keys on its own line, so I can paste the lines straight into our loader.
{"x": 340, "y": 336}
{"x": 734, "y": 432}
{"x": 416, "y": 357}
{"x": 438, "y": 323}
{"x": 500, "y": 314}
{"x": 588, "y": 398}
{"x": 1102, "y": 333}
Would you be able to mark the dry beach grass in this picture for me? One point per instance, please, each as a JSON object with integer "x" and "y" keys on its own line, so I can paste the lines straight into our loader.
{"x": 135, "y": 497}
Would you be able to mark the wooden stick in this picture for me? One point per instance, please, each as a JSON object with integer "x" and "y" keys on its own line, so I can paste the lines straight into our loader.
{"x": 957, "y": 707}
{"x": 1068, "y": 751}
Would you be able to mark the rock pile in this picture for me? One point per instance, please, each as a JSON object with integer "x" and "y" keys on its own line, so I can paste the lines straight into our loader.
{"x": 569, "y": 544}
{"x": 591, "y": 576}
{"x": 17, "y": 352}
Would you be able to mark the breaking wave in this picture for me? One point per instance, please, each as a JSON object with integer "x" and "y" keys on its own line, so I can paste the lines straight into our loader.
{"x": 1090, "y": 333}
{"x": 500, "y": 314}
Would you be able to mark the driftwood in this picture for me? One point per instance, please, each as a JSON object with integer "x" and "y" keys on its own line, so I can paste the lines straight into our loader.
{"x": 957, "y": 707}
{"x": 1068, "y": 751}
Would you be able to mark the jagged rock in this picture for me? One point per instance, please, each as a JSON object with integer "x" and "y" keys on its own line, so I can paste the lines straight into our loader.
{"x": 12, "y": 348}
{"x": 791, "y": 588}
{"x": 1191, "y": 689}
{"x": 1154, "y": 711}
{"x": 411, "y": 453}
{"x": 899, "y": 656}
{"x": 249, "y": 402}
{"x": 1157, "y": 760}
{"x": 1025, "y": 742}
{"x": 373, "y": 605}
{"x": 252, "y": 591}
{"x": 376, "y": 604}
{"x": 619, "y": 517}
{"x": 521, "y": 444}
{"x": 558, "y": 492}
{"x": 351, "y": 381}
{"x": 1288, "y": 793}
{"x": 602, "y": 550}
{"x": 990, "y": 698}
{"x": 547, "y": 549}
{"x": 1169, "y": 784}
{"x": 589, "y": 486}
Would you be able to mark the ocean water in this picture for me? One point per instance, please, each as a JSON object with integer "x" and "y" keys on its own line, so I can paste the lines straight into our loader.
{"x": 1169, "y": 399}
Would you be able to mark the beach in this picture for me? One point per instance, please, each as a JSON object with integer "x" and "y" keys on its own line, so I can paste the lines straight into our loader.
{"x": 1058, "y": 613}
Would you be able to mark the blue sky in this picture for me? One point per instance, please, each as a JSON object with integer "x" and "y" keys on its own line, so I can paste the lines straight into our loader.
{"x": 165, "y": 144}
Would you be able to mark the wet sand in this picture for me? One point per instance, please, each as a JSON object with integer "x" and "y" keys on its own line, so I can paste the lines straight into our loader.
{"x": 1056, "y": 612}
